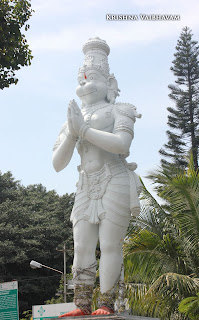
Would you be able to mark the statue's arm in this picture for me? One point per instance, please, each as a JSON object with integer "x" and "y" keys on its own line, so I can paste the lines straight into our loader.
{"x": 63, "y": 149}
{"x": 119, "y": 141}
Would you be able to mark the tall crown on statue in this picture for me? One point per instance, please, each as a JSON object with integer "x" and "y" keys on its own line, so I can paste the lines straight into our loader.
{"x": 96, "y": 53}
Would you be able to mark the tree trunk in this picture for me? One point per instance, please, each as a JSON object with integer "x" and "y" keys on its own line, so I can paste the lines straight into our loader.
{"x": 193, "y": 138}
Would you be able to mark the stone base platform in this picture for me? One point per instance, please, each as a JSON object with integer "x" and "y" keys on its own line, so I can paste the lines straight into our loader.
{"x": 107, "y": 317}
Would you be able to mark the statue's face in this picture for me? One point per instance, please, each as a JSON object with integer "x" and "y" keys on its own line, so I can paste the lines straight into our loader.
{"x": 92, "y": 87}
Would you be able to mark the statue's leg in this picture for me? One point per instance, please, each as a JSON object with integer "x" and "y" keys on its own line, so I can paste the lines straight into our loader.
{"x": 85, "y": 237}
{"x": 111, "y": 238}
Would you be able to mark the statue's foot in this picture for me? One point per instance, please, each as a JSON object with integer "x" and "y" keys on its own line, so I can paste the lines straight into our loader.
{"x": 74, "y": 313}
{"x": 103, "y": 310}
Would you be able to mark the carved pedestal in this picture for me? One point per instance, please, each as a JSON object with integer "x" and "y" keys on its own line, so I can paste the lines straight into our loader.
{"x": 108, "y": 317}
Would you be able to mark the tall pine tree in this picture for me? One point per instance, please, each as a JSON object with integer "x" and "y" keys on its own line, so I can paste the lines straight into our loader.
{"x": 183, "y": 119}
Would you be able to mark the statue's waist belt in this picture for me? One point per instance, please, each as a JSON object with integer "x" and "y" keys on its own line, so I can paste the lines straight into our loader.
{"x": 96, "y": 182}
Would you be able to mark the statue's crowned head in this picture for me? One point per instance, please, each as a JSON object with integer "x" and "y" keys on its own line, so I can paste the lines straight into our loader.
{"x": 96, "y": 56}
{"x": 96, "y": 53}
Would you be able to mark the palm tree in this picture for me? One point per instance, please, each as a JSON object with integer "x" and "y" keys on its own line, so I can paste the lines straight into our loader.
{"x": 162, "y": 246}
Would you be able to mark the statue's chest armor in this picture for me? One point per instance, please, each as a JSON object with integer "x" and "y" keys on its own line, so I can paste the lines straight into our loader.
{"x": 101, "y": 119}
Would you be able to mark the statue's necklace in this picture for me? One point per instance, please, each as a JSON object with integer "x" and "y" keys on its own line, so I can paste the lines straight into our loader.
{"x": 90, "y": 110}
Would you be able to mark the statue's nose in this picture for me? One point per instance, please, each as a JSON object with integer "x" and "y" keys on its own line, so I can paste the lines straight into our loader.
{"x": 82, "y": 82}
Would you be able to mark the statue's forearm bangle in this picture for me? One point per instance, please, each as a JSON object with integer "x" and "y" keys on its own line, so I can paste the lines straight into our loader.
{"x": 71, "y": 137}
{"x": 83, "y": 130}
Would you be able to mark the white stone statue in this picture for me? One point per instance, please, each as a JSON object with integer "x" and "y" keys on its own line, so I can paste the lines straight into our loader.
{"x": 108, "y": 188}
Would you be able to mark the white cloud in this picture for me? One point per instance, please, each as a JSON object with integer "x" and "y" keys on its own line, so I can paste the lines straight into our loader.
{"x": 116, "y": 34}
{"x": 69, "y": 36}
{"x": 66, "y": 7}
{"x": 161, "y": 5}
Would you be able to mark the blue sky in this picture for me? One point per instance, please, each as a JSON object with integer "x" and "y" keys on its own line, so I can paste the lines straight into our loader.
{"x": 33, "y": 111}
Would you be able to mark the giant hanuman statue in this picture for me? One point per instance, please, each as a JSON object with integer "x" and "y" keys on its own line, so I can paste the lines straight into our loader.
{"x": 108, "y": 188}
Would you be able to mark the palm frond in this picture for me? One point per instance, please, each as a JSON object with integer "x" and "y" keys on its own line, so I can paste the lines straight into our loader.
{"x": 167, "y": 291}
{"x": 136, "y": 293}
{"x": 181, "y": 193}
{"x": 190, "y": 307}
{"x": 151, "y": 217}
{"x": 146, "y": 255}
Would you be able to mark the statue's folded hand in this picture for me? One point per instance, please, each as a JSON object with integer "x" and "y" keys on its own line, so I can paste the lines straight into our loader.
{"x": 76, "y": 116}
{"x": 71, "y": 129}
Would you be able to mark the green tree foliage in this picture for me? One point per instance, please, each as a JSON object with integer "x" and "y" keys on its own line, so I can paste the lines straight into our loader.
{"x": 14, "y": 50}
{"x": 59, "y": 296}
{"x": 183, "y": 119}
{"x": 190, "y": 307}
{"x": 27, "y": 315}
{"x": 34, "y": 222}
{"x": 162, "y": 248}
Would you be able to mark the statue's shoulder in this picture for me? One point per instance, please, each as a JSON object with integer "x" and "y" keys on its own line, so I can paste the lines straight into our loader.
{"x": 126, "y": 110}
